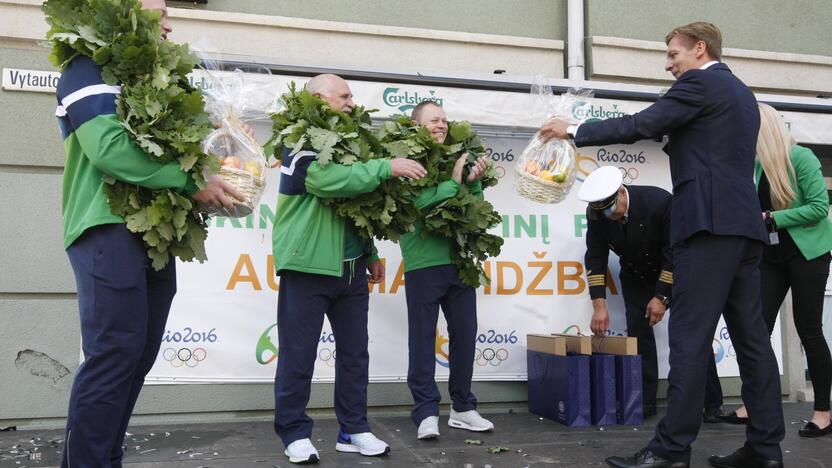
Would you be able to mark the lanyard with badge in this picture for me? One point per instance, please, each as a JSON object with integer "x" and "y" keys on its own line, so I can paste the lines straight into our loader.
{"x": 771, "y": 228}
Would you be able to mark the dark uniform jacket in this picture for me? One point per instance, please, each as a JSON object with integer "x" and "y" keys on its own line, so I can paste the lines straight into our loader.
{"x": 642, "y": 243}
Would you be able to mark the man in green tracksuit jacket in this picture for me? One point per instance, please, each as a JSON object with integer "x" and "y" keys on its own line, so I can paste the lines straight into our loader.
{"x": 432, "y": 280}
{"x": 123, "y": 302}
{"x": 323, "y": 264}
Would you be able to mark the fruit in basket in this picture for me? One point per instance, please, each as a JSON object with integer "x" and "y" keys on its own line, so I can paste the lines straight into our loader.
{"x": 252, "y": 168}
{"x": 231, "y": 162}
{"x": 531, "y": 167}
{"x": 559, "y": 177}
{"x": 546, "y": 175}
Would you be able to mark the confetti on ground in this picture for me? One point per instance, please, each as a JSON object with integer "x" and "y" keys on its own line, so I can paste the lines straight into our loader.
{"x": 473, "y": 441}
{"x": 498, "y": 449}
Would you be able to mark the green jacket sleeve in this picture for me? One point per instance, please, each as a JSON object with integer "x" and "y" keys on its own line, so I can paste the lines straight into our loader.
{"x": 432, "y": 196}
{"x": 373, "y": 255}
{"x": 342, "y": 181}
{"x": 811, "y": 187}
{"x": 110, "y": 150}
{"x": 476, "y": 190}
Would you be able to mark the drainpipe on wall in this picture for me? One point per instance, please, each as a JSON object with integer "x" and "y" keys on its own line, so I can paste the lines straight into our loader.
{"x": 575, "y": 39}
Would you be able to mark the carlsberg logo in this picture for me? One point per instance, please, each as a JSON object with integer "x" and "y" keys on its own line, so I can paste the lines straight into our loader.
{"x": 585, "y": 112}
{"x": 406, "y": 100}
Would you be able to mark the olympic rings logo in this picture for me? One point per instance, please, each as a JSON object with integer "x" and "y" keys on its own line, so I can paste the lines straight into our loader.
{"x": 184, "y": 356}
{"x": 630, "y": 175}
{"x": 327, "y": 356}
{"x": 500, "y": 171}
{"x": 495, "y": 357}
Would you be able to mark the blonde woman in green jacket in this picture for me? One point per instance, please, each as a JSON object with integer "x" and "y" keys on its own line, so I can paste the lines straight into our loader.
{"x": 795, "y": 206}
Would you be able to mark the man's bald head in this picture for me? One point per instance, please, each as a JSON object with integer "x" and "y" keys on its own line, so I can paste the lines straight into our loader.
{"x": 333, "y": 90}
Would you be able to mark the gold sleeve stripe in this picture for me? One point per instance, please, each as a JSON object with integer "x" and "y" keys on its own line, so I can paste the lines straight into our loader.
{"x": 591, "y": 277}
{"x": 666, "y": 277}
{"x": 597, "y": 283}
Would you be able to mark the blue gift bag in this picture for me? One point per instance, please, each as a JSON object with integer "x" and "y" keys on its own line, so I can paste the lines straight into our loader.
{"x": 559, "y": 387}
{"x": 602, "y": 383}
{"x": 629, "y": 391}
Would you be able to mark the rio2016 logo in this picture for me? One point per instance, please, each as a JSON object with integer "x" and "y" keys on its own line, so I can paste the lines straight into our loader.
{"x": 439, "y": 350}
{"x": 490, "y": 354}
{"x": 266, "y": 351}
{"x": 722, "y": 346}
{"x": 187, "y": 346}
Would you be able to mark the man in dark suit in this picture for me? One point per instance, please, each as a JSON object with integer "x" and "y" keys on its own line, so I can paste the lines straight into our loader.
{"x": 634, "y": 222}
{"x": 712, "y": 120}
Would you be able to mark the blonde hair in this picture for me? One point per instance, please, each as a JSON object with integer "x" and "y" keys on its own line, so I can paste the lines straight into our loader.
{"x": 700, "y": 31}
{"x": 774, "y": 145}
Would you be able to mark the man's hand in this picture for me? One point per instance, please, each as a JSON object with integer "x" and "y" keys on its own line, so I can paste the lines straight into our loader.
{"x": 600, "y": 318}
{"x": 456, "y": 174}
{"x": 376, "y": 272}
{"x": 655, "y": 311}
{"x": 478, "y": 169}
{"x": 218, "y": 193}
{"x": 403, "y": 167}
{"x": 244, "y": 126}
{"x": 554, "y": 128}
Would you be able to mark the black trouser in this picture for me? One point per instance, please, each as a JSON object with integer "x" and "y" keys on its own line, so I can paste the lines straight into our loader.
{"x": 304, "y": 300}
{"x": 426, "y": 289}
{"x": 124, "y": 305}
{"x": 716, "y": 275}
{"x": 637, "y": 293}
{"x": 807, "y": 279}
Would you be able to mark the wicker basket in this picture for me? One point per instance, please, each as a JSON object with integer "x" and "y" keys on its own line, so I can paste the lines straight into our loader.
{"x": 536, "y": 188}
{"x": 540, "y": 190}
{"x": 249, "y": 185}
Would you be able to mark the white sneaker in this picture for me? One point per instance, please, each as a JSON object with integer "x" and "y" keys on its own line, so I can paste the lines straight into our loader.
{"x": 301, "y": 451}
{"x": 470, "y": 420}
{"x": 364, "y": 443}
{"x": 428, "y": 428}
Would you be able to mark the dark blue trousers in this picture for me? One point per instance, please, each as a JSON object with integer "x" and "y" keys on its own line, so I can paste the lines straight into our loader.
{"x": 302, "y": 303}
{"x": 124, "y": 304}
{"x": 719, "y": 274}
{"x": 426, "y": 289}
{"x": 637, "y": 293}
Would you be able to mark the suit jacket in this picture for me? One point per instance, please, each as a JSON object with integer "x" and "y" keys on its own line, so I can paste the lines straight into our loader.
{"x": 712, "y": 120}
{"x": 807, "y": 219}
{"x": 642, "y": 244}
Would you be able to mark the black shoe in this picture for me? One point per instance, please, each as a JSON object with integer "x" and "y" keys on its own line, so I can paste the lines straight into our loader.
{"x": 743, "y": 458}
{"x": 732, "y": 418}
{"x": 649, "y": 410}
{"x": 812, "y": 430}
{"x": 644, "y": 459}
{"x": 712, "y": 415}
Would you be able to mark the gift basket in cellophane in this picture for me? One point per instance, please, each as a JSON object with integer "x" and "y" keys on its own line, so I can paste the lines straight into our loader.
{"x": 233, "y": 99}
{"x": 545, "y": 171}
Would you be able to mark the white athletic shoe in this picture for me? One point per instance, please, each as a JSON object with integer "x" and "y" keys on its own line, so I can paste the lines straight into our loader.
{"x": 364, "y": 443}
{"x": 429, "y": 428}
{"x": 470, "y": 420}
{"x": 301, "y": 451}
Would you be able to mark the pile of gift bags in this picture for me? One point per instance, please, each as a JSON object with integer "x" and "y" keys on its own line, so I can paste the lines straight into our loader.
{"x": 583, "y": 381}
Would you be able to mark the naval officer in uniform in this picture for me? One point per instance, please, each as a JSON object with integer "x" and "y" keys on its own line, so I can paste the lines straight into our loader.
{"x": 634, "y": 222}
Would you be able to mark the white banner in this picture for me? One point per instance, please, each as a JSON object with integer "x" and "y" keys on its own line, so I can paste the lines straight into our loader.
{"x": 222, "y": 326}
